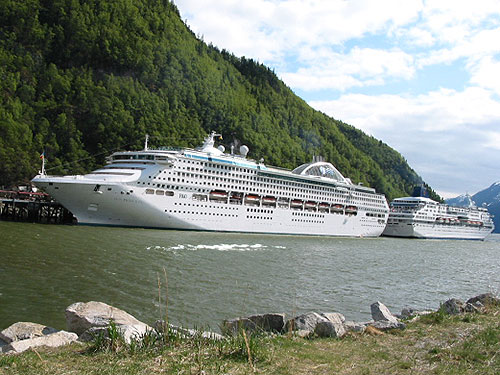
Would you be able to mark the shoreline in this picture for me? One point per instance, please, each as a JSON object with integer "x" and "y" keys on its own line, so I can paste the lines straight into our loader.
{"x": 453, "y": 340}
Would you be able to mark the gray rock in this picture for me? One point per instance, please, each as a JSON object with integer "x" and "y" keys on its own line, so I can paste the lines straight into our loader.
{"x": 474, "y": 307}
{"x": 303, "y": 333}
{"x": 414, "y": 314}
{"x": 351, "y": 326}
{"x": 485, "y": 299}
{"x": 81, "y": 316}
{"x": 305, "y": 322}
{"x": 187, "y": 333}
{"x": 254, "y": 323}
{"x": 381, "y": 313}
{"x": 204, "y": 334}
{"x": 128, "y": 332}
{"x": 334, "y": 317}
{"x": 408, "y": 312}
{"x": 25, "y": 330}
{"x": 53, "y": 340}
{"x": 385, "y": 325}
{"x": 453, "y": 306}
{"x": 328, "y": 328}
{"x": 3, "y": 344}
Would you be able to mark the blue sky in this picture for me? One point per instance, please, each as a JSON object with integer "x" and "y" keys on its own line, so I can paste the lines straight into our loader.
{"x": 422, "y": 76}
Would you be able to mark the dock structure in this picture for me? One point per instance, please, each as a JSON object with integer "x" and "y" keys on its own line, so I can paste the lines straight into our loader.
{"x": 32, "y": 207}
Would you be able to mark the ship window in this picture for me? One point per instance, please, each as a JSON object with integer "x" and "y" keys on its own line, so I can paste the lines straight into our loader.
{"x": 160, "y": 192}
{"x": 150, "y": 191}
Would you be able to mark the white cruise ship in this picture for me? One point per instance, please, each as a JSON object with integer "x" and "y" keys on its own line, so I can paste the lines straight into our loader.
{"x": 207, "y": 189}
{"x": 421, "y": 217}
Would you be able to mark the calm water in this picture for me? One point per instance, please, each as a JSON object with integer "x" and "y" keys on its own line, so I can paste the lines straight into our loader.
{"x": 214, "y": 276}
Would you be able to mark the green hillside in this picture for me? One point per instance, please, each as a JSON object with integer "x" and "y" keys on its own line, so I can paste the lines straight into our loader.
{"x": 80, "y": 79}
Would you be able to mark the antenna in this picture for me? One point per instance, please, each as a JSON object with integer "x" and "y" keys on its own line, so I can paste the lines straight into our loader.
{"x": 146, "y": 143}
{"x": 42, "y": 156}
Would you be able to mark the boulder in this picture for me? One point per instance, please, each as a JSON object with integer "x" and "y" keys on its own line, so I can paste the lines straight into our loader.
{"x": 453, "y": 306}
{"x": 24, "y": 330}
{"x": 473, "y": 307}
{"x": 351, "y": 326}
{"x": 303, "y": 333}
{"x": 305, "y": 322}
{"x": 3, "y": 344}
{"x": 485, "y": 299}
{"x": 82, "y": 316}
{"x": 334, "y": 317}
{"x": 385, "y": 325}
{"x": 254, "y": 323}
{"x": 381, "y": 313}
{"x": 53, "y": 340}
{"x": 414, "y": 314}
{"x": 128, "y": 332}
{"x": 408, "y": 312}
{"x": 327, "y": 328}
{"x": 187, "y": 333}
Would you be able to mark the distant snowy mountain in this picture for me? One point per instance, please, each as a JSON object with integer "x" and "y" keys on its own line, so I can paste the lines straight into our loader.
{"x": 464, "y": 200}
{"x": 489, "y": 198}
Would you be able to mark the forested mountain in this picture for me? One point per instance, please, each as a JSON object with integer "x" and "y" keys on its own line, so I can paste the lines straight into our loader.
{"x": 80, "y": 79}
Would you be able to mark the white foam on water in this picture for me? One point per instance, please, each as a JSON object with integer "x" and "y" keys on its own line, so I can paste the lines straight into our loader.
{"x": 218, "y": 247}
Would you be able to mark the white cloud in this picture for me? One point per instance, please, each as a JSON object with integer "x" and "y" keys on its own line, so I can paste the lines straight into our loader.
{"x": 447, "y": 136}
{"x": 245, "y": 28}
{"x": 485, "y": 73}
{"x": 360, "y": 67}
{"x": 493, "y": 141}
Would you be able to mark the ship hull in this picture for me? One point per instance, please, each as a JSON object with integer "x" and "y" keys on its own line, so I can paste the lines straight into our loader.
{"x": 117, "y": 204}
{"x": 436, "y": 231}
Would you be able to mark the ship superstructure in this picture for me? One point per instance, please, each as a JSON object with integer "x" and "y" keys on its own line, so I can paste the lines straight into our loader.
{"x": 207, "y": 189}
{"x": 422, "y": 217}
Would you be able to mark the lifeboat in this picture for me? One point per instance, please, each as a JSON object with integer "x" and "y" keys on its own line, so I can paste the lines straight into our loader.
{"x": 283, "y": 202}
{"x": 351, "y": 210}
{"x": 269, "y": 201}
{"x": 252, "y": 199}
{"x": 296, "y": 203}
{"x": 310, "y": 205}
{"x": 323, "y": 207}
{"x": 337, "y": 208}
{"x": 236, "y": 197}
{"x": 218, "y": 195}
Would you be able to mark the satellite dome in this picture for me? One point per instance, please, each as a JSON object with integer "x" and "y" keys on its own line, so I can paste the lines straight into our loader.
{"x": 244, "y": 150}
{"x": 221, "y": 148}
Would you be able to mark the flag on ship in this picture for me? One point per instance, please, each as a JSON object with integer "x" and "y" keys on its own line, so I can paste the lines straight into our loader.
{"x": 42, "y": 155}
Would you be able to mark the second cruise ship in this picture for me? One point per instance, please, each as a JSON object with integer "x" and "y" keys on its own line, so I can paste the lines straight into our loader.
{"x": 422, "y": 217}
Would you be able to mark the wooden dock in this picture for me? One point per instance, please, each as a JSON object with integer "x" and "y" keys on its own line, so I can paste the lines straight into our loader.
{"x": 32, "y": 207}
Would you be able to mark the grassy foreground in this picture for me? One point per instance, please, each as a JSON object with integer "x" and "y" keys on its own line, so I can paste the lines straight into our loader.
{"x": 435, "y": 344}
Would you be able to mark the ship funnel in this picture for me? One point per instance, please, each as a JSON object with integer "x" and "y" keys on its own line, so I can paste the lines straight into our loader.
{"x": 244, "y": 150}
